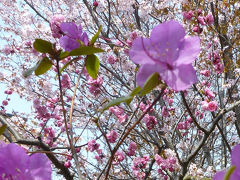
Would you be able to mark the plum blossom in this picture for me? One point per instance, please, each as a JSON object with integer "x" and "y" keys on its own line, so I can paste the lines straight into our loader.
{"x": 188, "y": 15}
{"x": 131, "y": 149}
{"x": 235, "y": 156}
{"x": 55, "y": 25}
{"x": 212, "y": 106}
{"x": 112, "y": 136}
{"x": 169, "y": 53}
{"x": 118, "y": 157}
{"x": 209, "y": 19}
{"x": 73, "y": 33}
{"x": 66, "y": 81}
{"x": 138, "y": 165}
{"x": 92, "y": 145}
{"x": 150, "y": 121}
{"x": 16, "y": 164}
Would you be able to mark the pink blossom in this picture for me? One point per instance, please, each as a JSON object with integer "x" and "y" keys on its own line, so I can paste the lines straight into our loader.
{"x": 118, "y": 157}
{"x": 100, "y": 155}
{"x": 55, "y": 25}
{"x": 201, "y": 20}
{"x": 188, "y": 15}
{"x": 212, "y": 106}
{"x": 7, "y": 50}
{"x": 112, "y": 136}
{"x": 111, "y": 59}
{"x": 206, "y": 73}
{"x": 204, "y": 105}
{"x": 66, "y": 81}
{"x": 92, "y": 145}
{"x": 170, "y": 102}
{"x": 219, "y": 68}
{"x": 131, "y": 149}
{"x": 4, "y": 102}
{"x": 140, "y": 163}
{"x": 150, "y": 121}
{"x": 165, "y": 112}
{"x": 122, "y": 118}
{"x": 67, "y": 164}
{"x": 95, "y": 4}
{"x": 209, "y": 93}
{"x": 197, "y": 29}
{"x": 209, "y": 19}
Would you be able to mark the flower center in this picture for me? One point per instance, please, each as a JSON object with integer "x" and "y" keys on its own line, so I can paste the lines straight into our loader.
{"x": 169, "y": 66}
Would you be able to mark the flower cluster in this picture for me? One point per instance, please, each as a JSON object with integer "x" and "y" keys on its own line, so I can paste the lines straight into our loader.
{"x": 138, "y": 165}
{"x": 119, "y": 113}
{"x": 95, "y": 85}
{"x": 201, "y": 20}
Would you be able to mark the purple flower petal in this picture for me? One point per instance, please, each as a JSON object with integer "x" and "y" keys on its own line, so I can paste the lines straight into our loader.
{"x": 142, "y": 51}
{"x": 40, "y": 167}
{"x": 16, "y": 163}
{"x": 219, "y": 175}
{"x": 84, "y": 39}
{"x": 167, "y": 37}
{"x": 68, "y": 43}
{"x": 180, "y": 78}
{"x": 12, "y": 155}
{"x": 189, "y": 50}
{"x": 235, "y": 157}
{"x": 71, "y": 30}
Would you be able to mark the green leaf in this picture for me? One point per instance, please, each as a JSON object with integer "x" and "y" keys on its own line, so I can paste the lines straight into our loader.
{"x": 92, "y": 65}
{"x": 43, "y": 46}
{"x": 135, "y": 91}
{"x": 85, "y": 50}
{"x": 94, "y": 38}
{"x": 150, "y": 84}
{"x": 64, "y": 54}
{"x": 43, "y": 66}
{"x": 229, "y": 172}
{"x": 116, "y": 102}
{"x": 2, "y": 129}
{"x": 29, "y": 71}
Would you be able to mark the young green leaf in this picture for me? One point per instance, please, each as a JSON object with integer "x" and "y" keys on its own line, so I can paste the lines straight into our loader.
{"x": 29, "y": 71}
{"x": 2, "y": 129}
{"x": 94, "y": 38}
{"x": 64, "y": 54}
{"x": 229, "y": 172}
{"x": 85, "y": 50}
{"x": 43, "y": 46}
{"x": 135, "y": 91}
{"x": 43, "y": 66}
{"x": 150, "y": 84}
{"x": 92, "y": 65}
{"x": 116, "y": 102}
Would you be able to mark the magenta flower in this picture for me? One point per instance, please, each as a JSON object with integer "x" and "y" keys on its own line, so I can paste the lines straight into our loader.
{"x": 235, "y": 158}
{"x": 169, "y": 53}
{"x": 73, "y": 33}
{"x": 16, "y": 164}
